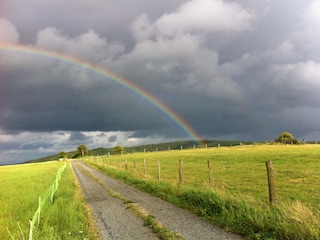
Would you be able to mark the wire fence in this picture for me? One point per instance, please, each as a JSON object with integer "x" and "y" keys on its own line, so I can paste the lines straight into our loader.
{"x": 266, "y": 182}
{"x": 48, "y": 194}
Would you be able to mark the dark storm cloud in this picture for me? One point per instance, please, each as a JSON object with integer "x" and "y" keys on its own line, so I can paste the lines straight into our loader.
{"x": 8, "y": 146}
{"x": 35, "y": 146}
{"x": 112, "y": 138}
{"x": 231, "y": 69}
{"x": 77, "y": 137}
{"x": 71, "y": 101}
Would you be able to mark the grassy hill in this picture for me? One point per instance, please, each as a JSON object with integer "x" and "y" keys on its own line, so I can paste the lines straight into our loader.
{"x": 148, "y": 148}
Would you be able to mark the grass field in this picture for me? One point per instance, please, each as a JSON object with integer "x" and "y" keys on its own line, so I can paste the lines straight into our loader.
{"x": 240, "y": 185}
{"x": 21, "y": 186}
{"x": 239, "y": 200}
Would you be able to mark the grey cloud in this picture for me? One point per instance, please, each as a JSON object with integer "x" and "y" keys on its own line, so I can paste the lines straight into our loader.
{"x": 9, "y": 145}
{"x": 72, "y": 17}
{"x": 101, "y": 135}
{"x": 112, "y": 138}
{"x": 205, "y": 15}
{"x": 35, "y": 146}
{"x": 245, "y": 72}
{"x": 8, "y": 32}
{"x": 78, "y": 137}
{"x": 89, "y": 45}
{"x": 142, "y": 28}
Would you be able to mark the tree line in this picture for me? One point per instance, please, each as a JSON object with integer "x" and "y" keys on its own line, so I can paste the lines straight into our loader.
{"x": 82, "y": 150}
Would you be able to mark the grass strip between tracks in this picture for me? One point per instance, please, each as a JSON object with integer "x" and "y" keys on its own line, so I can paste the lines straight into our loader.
{"x": 149, "y": 220}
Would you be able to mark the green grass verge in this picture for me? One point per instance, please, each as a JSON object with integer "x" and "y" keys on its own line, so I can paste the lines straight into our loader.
{"x": 240, "y": 199}
{"x": 21, "y": 186}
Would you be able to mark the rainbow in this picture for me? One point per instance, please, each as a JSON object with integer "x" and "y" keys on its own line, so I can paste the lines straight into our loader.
{"x": 107, "y": 74}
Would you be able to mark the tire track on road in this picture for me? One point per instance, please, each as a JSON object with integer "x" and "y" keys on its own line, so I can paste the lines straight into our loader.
{"x": 113, "y": 217}
{"x": 171, "y": 217}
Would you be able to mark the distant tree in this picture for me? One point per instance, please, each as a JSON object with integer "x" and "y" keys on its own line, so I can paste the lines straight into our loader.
{"x": 287, "y": 138}
{"x": 82, "y": 150}
{"x": 62, "y": 155}
{"x": 118, "y": 149}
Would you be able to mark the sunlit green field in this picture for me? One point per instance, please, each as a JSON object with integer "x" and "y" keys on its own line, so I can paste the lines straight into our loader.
{"x": 21, "y": 186}
{"x": 240, "y": 182}
{"x": 238, "y": 170}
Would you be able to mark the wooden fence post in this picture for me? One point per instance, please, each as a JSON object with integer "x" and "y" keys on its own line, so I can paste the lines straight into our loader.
{"x": 31, "y": 229}
{"x": 39, "y": 210}
{"x": 211, "y": 182}
{"x": 272, "y": 191}
{"x": 144, "y": 167}
{"x": 135, "y": 166}
{"x": 52, "y": 192}
{"x": 158, "y": 170}
{"x": 180, "y": 172}
{"x": 126, "y": 165}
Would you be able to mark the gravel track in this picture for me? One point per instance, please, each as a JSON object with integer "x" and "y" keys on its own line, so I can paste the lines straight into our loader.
{"x": 117, "y": 222}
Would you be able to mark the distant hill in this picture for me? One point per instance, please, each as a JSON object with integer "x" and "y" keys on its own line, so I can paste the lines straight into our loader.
{"x": 177, "y": 145}
{"x": 51, "y": 157}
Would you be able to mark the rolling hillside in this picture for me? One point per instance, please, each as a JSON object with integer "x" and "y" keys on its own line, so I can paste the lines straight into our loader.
{"x": 149, "y": 148}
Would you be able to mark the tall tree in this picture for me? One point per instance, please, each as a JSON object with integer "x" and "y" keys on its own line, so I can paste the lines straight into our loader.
{"x": 62, "y": 155}
{"x": 118, "y": 149}
{"x": 287, "y": 138}
{"x": 82, "y": 149}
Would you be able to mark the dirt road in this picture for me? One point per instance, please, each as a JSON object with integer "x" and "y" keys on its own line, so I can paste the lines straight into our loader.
{"x": 116, "y": 221}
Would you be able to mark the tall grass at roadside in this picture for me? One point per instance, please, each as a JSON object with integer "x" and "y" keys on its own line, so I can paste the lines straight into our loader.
{"x": 21, "y": 185}
{"x": 239, "y": 201}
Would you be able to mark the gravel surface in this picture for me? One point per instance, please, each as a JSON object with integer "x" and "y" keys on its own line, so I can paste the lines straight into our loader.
{"x": 117, "y": 222}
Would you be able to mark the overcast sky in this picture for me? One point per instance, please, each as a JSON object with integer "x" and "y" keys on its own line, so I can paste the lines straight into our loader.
{"x": 241, "y": 70}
